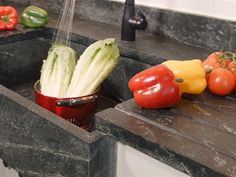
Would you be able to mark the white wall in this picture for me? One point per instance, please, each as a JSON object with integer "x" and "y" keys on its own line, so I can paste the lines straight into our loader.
{"x": 7, "y": 172}
{"x": 132, "y": 163}
{"x": 223, "y": 9}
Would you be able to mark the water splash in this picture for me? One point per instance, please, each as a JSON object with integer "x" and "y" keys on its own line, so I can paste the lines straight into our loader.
{"x": 65, "y": 24}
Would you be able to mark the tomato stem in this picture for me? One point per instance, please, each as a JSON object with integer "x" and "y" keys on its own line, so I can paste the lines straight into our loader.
{"x": 5, "y": 18}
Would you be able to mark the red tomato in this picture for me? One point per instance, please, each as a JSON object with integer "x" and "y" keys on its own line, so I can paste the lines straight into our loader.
{"x": 215, "y": 55}
{"x": 211, "y": 64}
{"x": 234, "y": 80}
{"x": 221, "y": 81}
{"x": 216, "y": 60}
{"x": 232, "y": 68}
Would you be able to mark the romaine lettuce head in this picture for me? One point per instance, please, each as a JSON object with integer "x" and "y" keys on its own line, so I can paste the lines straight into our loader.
{"x": 57, "y": 71}
{"x": 94, "y": 66}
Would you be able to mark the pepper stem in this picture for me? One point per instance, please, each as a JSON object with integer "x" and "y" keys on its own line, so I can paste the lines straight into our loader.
{"x": 5, "y": 18}
{"x": 179, "y": 80}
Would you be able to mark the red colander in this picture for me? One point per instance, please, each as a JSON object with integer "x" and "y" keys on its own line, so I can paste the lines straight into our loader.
{"x": 78, "y": 110}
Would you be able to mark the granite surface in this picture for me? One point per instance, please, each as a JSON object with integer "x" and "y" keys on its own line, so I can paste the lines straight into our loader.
{"x": 20, "y": 58}
{"x": 214, "y": 34}
{"x": 148, "y": 48}
{"x": 197, "y": 136}
{"x": 37, "y": 143}
{"x": 55, "y": 151}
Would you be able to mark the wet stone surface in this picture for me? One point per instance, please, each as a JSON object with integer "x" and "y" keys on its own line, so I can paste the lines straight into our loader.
{"x": 197, "y": 136}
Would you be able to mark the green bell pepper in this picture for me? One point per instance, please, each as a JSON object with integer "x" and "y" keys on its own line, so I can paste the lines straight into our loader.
{"x": 34, "y": 17}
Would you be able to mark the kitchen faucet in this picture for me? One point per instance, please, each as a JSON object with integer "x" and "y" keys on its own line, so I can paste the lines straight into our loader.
{"x": 130, "y": 22}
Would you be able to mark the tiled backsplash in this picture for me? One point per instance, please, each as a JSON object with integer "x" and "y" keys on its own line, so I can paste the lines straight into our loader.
{"x": 224, "y": 9}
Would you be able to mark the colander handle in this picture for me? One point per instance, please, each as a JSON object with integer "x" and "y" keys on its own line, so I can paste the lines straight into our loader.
{"x": 77, "y": 101}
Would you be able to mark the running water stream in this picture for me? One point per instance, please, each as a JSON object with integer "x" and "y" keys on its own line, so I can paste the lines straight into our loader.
{"x": 65, "y": 24}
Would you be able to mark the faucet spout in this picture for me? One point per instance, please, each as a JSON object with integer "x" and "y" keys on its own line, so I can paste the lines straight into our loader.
{"x": 131, "y": 23}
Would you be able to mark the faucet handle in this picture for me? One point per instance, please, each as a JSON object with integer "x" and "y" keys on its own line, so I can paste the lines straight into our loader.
{"x": 139, "y": 23}
{"x": 142, "y": 22}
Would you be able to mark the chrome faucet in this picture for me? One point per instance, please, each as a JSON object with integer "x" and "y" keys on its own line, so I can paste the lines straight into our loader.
{"x": 131, "y": 23}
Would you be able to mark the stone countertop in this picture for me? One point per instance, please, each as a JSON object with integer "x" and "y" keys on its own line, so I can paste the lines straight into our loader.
{"x": 196, "y": 136}
{"x": 198, "y": 30}
{"x": 147, "y": 48}
{"x": 35, "y": 142}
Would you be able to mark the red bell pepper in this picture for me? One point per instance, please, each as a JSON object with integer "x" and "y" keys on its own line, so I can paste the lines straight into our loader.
{"x": 8, "y": 18}
{"x": 155, "y": 88}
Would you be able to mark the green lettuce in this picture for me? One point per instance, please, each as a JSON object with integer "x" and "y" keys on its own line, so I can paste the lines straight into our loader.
{"x": 57, "y": 71}
{"x": 94, "y": 66}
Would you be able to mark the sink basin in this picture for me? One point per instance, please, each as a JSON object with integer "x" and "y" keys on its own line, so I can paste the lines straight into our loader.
{"x": 34, "y": 141}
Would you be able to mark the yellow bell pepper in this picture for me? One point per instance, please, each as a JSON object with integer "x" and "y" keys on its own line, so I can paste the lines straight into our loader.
{"x": 191, "y": 72}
